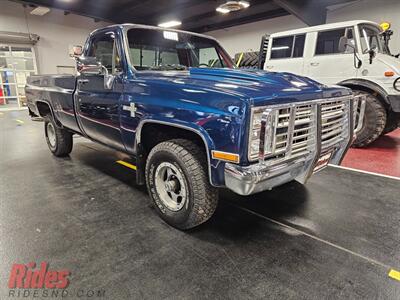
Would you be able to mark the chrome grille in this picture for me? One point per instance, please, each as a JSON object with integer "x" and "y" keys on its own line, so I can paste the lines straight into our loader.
{"x": 334, "y": 123}
{"x": 291, "y": 131}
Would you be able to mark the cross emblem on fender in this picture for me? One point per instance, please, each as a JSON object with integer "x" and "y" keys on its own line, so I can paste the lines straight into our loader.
{"x": 132, "y": 108}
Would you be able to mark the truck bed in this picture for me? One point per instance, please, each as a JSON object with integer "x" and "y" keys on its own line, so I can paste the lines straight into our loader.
{"x": 58, "y": 91}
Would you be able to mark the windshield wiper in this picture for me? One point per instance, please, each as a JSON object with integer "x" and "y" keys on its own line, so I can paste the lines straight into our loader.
{"x": 169, "y": 67}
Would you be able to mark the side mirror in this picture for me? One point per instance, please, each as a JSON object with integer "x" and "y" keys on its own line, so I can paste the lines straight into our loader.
{"x": 90, "y": 65}
{"x": 342, "y": 47}
{"x": 343, "y": 43}
{"x": 76, "y": 51}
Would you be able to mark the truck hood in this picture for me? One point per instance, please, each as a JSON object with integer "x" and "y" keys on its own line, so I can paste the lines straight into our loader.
{"x": 256, "y": 86}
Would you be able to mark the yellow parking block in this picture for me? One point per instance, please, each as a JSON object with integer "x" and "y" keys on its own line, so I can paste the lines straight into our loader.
{"x": 19, "y": 121}
{"x": 128, "y": 165}
{"x": 394, "y": 274}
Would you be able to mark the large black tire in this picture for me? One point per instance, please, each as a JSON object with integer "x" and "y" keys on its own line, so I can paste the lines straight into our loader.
{"x": 392, "y": 122}
{"x": 249, "y": 60}
{"x": 374, "y": 120}
{"x": 188, "y": 173}
{"x": 58, "y": 139}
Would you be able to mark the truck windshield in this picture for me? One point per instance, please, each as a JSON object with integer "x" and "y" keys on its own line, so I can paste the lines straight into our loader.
{"x": 371, "y": 39}
{"x": 163, "y": 50}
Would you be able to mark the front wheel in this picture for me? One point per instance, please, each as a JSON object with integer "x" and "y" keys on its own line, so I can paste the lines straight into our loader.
{"x": 374, "y": 120}
{"x": 392, "y": 122}
{"x": 177, "y": 181}
{"x": 58, "y": 139}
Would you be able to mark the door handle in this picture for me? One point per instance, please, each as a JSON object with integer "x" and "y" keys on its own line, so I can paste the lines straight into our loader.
{"x": 314, "y": 64}
{"x": 83, "y": 81}
{"x": 269, "y": 67}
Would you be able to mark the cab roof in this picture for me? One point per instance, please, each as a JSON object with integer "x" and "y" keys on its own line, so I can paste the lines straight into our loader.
{"x": 127, "y": 26}
{"x": 324, "y": 27}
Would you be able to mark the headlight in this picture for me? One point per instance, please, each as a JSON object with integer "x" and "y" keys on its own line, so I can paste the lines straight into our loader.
{"x": 396, "y": 84}
{"x": 260, "y": 115}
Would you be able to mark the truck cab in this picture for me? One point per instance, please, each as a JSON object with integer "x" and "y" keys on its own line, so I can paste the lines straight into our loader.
{"x": 190, "y": 121}
{"x": 352, "y": 54}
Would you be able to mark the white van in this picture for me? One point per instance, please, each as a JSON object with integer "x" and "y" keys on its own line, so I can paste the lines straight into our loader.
{"x": 352, "y": 54}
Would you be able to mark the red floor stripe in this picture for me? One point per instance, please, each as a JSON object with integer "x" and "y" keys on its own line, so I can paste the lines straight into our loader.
{"x": 382, "y": 156}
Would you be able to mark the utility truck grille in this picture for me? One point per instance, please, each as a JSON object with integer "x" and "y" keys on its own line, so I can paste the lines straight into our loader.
{"x": 299, "y": 130}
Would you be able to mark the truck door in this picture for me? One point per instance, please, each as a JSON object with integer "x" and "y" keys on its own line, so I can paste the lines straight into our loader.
{"x": 97, "y": 107}
{"x": 286, "y": 54}
{"x": 325, "y": 63}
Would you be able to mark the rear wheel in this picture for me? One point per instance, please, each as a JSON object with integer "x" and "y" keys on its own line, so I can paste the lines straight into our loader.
{"x": 374, "y": 120}
{"x": 177, "y": 181}
{"x": 58, "y": 139}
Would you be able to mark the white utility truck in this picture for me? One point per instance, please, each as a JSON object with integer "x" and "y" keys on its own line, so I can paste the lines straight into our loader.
{"x": 353, "y": 54}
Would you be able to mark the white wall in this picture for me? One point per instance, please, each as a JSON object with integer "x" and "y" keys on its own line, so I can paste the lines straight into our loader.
{"x": 248, "y": 37}
{"x": 57, "y": 32}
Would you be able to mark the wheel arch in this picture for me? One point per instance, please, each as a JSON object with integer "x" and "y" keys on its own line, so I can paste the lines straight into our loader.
{"x": 178, "y": 130}
{"x": 368, "y": 86}
{"x": 44, "y": 108}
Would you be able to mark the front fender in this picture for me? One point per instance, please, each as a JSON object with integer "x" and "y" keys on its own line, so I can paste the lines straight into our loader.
{"x": 215, "y": 167}
{"x": 368, "y": 85}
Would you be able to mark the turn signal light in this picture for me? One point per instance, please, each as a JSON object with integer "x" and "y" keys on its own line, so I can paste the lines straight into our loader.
{"x": 231, "y": 157}
{"x": 389, "y": 73}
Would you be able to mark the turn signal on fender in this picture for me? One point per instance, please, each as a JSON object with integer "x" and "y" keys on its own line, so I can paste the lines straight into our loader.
{"x": 231, "y": 157}
{"x": 389, "y": 73}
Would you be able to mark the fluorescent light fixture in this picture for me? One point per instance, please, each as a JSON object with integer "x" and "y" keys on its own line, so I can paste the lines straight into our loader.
{"x": 40, "y": 11}
{"x": 171, "y": 35}
{"x": 169, "y": 24}
{"x": 280, "y": 48}
{"x": 222, "y": 10}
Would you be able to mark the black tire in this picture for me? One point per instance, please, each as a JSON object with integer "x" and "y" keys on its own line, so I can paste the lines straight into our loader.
{"x": 374, "y": 120}
{"x": 392, "y": 122}
{"x": 249, "y": 60}
{"x": 190, "y": 164}
{"x": 62, "y": 144}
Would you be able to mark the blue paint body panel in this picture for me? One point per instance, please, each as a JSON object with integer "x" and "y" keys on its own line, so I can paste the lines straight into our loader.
{"x": 214, "y": 103}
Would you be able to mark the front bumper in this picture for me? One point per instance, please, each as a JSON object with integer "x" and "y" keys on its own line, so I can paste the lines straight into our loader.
{"x": 257, "y": 178}
{"x": 261, "y": 176}
{"x": 394, "y": 101}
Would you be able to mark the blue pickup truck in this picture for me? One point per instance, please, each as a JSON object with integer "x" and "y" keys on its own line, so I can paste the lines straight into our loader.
{"x": 192, "y": 122}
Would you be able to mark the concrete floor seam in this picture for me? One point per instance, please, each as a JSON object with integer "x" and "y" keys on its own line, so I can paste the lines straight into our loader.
{"x": 373, "y": 261}
{"x": 365, "y": 172}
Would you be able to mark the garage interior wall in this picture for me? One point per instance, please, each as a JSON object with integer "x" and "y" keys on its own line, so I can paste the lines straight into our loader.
{"x": 57, "y": 32}
{"x": 248, "y": 37}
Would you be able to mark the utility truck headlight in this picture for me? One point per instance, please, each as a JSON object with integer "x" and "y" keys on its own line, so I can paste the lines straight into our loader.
{"x": 396, "y": 84}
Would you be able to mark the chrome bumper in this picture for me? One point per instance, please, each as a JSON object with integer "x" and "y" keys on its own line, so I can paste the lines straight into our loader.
{"x": 258, "y": 177}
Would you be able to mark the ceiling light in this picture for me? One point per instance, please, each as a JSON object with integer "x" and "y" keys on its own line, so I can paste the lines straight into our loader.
{"x": 40, "y": 11}
{"x": 169, "y": 24}
{"x": 222, "y": 10}
{"x": 232, "y": 6}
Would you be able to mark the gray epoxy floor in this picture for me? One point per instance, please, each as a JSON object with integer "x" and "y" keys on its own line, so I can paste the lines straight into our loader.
{"x": 336, "y": 237}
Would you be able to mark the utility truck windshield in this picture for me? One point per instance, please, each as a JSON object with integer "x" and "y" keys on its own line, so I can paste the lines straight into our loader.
{"x": 371, "y": 39}
{"x": 161, "y": 50}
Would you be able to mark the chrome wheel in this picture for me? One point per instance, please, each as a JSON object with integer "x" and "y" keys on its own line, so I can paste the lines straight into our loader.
{"x": 51, "y": 135}
{"x": 171, "y": 186}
